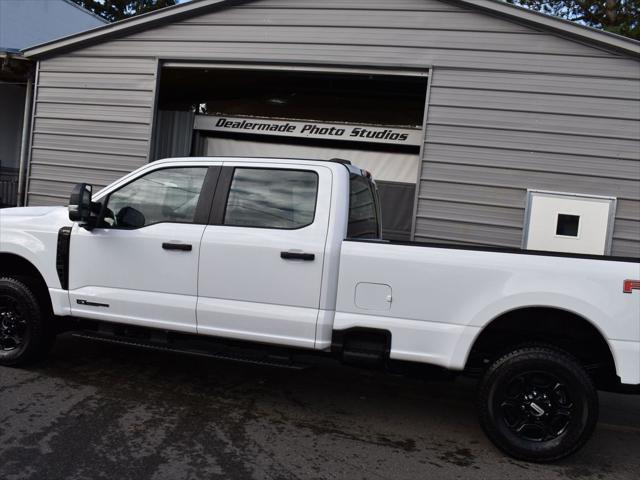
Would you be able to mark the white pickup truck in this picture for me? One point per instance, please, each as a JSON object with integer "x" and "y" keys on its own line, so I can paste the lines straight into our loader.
{"x": 269, "y": 260}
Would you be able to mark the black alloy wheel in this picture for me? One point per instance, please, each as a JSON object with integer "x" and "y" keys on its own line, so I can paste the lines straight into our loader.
{"x": 13, "y": 324}
{"x": 537, "y": 404}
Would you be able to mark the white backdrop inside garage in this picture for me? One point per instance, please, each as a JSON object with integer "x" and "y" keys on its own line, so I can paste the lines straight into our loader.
{"x": 387, "y": 166}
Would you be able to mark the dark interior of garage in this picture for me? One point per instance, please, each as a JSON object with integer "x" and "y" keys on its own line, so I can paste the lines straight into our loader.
{"x": 319, "y": 96}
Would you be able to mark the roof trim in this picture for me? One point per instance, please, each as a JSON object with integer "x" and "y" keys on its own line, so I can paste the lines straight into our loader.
{"x": 122, "y": 27}
{"x": 13, "y": 55}
{"x": 176, "y": 12}
{"x": 557, "y": 24}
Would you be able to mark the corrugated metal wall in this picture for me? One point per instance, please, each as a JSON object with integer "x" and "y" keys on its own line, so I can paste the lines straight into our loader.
{"x": 510, "y": 108}
{"x": 493, "y": 134}
{"x": 92, "y": 123}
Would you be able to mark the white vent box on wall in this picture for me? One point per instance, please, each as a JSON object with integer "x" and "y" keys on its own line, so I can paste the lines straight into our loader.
{"x": 571, "y": 223}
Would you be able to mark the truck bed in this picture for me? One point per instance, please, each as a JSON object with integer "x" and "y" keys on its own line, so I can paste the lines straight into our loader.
{"x": 435, "y": 300}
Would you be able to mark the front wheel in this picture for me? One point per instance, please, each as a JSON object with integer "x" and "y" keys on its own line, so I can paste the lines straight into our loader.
{"x": 23, "y": 336}
{"x": 537, "y": 404}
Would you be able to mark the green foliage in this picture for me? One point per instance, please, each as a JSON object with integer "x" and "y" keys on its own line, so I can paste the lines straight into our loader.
{"x": 616, "y": 16}
{"x": 114, "y": 10}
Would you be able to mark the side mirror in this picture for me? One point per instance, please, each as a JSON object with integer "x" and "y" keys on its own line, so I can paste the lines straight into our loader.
{"x": 80, "y": 203}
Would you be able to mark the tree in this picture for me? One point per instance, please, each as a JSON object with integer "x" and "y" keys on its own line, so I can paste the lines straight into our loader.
{"x": 616, "y": 16}
{"x": 114, "y": 10}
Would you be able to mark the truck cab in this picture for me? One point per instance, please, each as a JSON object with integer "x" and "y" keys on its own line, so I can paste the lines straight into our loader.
{"x": 229, "y": 247}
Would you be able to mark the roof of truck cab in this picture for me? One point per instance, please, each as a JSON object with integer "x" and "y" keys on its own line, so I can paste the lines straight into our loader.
{"x": 275, "y": 160}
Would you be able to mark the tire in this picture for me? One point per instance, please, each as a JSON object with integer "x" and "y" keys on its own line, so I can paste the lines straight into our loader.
{"x": 23, "y": 334}
{"x": 537, "y": 404}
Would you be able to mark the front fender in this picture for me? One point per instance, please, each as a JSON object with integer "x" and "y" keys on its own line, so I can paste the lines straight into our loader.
{"x": 35, "y": 250}
{"x": 32, "y": 233}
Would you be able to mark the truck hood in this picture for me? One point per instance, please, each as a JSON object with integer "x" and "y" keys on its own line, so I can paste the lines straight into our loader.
{"x": 30, "y": 219}
{"x": 28, "y": 211}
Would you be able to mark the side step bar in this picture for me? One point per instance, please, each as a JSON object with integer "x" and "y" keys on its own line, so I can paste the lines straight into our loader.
{"x": 266, "y": 360}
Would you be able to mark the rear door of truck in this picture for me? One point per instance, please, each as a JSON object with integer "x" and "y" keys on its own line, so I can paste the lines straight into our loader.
{"x": 261, "y": 258}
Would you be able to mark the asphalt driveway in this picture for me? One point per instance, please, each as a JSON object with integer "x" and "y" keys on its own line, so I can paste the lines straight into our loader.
{"x": 99, "y": 411}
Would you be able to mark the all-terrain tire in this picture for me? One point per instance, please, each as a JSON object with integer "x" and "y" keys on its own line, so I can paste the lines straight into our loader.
{"x": 537, "y": 404}
{"x": 24, "y": 336}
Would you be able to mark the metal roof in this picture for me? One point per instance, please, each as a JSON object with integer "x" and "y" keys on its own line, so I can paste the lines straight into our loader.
{"x": 174, "y": 13}
{"x": 26, "y": 24}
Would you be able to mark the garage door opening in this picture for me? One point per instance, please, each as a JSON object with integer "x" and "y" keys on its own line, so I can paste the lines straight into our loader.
{"x": 373, "y": 118}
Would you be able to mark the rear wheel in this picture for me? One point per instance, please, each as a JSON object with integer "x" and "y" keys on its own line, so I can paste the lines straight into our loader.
{"x": 23, "y": 336}
{"x": 537, "y": 404}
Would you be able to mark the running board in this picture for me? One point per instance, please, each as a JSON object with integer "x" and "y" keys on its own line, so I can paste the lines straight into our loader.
{"x": 267, "y": 361}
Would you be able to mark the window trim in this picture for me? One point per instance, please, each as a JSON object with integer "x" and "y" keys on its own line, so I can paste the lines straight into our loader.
{"x": 376, "y": 204}
{"x": 212, "y": 173}
{"x": 223, "y": 190}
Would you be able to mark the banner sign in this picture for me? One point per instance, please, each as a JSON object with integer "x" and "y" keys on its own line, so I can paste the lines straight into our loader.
{"x": 323, "y": 131}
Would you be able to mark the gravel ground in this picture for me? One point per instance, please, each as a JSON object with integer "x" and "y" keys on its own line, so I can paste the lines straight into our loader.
{"x": 97, "y": 411}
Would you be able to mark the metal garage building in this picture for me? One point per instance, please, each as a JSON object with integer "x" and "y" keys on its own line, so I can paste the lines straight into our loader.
{"x": 485, "y": 123}
{"x": 24, "y": 24}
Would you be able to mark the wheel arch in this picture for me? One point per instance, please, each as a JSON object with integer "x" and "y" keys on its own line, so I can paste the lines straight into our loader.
{"x": 18, "y": 267}
{"x": 550, "y": 325}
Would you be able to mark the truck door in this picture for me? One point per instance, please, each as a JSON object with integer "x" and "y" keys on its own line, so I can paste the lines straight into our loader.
{"x": 140, "y": 266}
{"x": 261, "y": 258}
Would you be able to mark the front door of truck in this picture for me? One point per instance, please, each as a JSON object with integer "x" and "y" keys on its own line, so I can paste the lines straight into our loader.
{"x": 140, "y": 266}
{"x": 261, "y": 258}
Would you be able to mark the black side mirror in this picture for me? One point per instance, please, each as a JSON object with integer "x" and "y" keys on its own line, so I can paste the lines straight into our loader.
{"x": 80, "y": 203}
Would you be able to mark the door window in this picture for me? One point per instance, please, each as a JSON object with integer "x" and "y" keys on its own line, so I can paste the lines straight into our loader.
{"x": 167, "y": 195}
{"x": 271, "y": 198}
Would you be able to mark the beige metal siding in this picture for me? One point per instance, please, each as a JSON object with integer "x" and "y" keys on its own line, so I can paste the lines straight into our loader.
{"x": 511, "y": 107}
{"x": 92, "y": 123}
{"x": 514, "y": 132}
